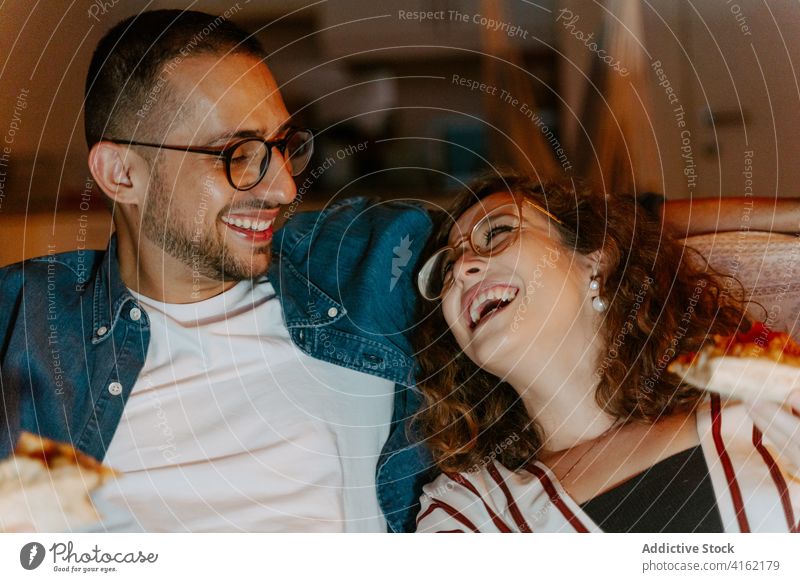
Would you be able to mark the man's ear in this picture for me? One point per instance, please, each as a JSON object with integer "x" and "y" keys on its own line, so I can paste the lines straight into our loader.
{"x": 118, "y": 171}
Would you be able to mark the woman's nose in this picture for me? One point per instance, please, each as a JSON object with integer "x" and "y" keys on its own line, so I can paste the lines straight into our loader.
{"x": 468, "y": 265}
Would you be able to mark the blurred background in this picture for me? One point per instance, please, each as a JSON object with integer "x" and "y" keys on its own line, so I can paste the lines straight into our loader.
{"x": 411, "y": 98}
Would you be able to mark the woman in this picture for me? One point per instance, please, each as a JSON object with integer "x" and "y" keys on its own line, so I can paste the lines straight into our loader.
{"x": 548, "y": 405}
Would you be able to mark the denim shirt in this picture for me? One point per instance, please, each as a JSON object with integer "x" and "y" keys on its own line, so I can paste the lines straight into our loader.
{"x": 73, "y": 340}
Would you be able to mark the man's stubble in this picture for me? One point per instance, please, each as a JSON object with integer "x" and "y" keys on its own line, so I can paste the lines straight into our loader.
{"x": 195, "y": 242}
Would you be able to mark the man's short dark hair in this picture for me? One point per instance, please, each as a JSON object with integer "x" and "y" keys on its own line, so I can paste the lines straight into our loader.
{"x": 125, "y": 86}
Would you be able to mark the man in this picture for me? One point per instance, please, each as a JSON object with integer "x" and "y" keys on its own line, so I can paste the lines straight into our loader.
{"x": 198, "y": 358}
{"x": 238, "y": 382}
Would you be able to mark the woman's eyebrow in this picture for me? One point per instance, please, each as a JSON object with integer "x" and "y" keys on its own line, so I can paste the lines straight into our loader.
{"x": 465, "y": 233}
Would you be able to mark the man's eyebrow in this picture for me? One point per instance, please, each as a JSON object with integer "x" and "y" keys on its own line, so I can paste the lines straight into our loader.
{"x": 245, "y": 133}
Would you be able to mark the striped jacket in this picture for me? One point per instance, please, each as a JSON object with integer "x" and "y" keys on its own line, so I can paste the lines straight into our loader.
{"x": 754, "y": 492}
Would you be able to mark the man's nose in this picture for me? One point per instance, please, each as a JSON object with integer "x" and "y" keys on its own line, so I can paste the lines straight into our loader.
{"x": 278, "y": 185}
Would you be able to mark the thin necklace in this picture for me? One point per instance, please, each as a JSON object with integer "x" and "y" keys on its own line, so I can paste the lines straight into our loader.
{"x": 590, "y": 449}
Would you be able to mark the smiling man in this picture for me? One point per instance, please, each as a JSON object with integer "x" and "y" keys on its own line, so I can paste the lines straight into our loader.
{"x": 198, "y": 358}
{"x": 200, "y": 216}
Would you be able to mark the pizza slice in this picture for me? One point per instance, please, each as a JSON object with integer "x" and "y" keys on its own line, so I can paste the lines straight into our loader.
{"x": 45, "y": 486}
{"x": 761, "y": 364}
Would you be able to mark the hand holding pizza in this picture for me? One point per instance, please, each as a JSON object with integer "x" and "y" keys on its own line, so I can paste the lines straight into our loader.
{"x": 760, "y": 368}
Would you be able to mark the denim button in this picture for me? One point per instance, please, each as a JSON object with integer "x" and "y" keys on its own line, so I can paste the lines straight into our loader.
{"x": 115, "y": 388}
{"x": 135, "y": 314}
{"x": 332, "y": 312}
{"x": 102, "y": 330}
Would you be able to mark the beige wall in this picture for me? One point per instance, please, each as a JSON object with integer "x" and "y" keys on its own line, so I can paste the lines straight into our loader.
{"x": 34, "y": 235}
{"x": 711, "y": 62}
{"x": 749, "y": 76}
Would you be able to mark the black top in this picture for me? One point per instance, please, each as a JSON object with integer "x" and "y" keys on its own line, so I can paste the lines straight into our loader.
{"x": 673, "y": 496}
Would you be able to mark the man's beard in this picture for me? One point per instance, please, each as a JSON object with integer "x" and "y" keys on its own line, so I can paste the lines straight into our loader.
{"x": 193, "y": 245}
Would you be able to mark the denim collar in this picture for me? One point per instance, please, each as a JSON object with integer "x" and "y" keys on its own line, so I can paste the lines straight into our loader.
{"x": 307, "y": 306}
{"x": 110, "y": 296}
{"x": 304, "y": 304}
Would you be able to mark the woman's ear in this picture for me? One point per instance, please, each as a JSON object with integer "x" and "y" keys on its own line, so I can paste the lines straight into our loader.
{"x": 114, "y": 168}
{"x": 595, "y": 263}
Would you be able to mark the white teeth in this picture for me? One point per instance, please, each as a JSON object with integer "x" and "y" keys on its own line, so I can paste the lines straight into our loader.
{"x": 254, "y": 225}
{"x": 504, "y": 294}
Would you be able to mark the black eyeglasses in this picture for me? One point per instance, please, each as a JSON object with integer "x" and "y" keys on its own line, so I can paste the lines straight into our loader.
{"x": 247, "y": 161}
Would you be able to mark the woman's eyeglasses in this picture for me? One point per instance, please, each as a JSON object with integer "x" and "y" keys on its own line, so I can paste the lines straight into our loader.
{"x": 491, "y": 235}
{"x": 247, "y": 161}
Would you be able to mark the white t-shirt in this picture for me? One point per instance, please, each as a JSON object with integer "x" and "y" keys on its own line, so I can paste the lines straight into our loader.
{"x": 230, "y": 427}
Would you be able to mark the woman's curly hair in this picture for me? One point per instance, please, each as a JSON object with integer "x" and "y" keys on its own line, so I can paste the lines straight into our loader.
{"x": 659, "y": 306}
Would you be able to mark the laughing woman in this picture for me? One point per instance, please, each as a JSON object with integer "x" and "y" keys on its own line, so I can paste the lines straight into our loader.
{"x": 548, "y": 406}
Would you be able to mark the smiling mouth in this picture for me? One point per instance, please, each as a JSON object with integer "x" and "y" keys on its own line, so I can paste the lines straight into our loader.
{"x": 490, "y": 302}
{"x": 253, "y": 229}
{"x": 246, "y": 224}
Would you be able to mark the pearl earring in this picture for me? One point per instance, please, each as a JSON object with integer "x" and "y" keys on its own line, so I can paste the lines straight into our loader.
{"x": 598, "y": 303}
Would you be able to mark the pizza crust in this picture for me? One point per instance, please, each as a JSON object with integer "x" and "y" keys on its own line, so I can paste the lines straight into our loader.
{"x": 758, "y": 364}
{"x": 741, "y": 378}
{"x": 45, "y": 486}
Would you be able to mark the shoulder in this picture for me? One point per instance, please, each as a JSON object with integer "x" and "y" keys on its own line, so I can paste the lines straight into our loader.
{"x": 728, "y": 429}
{"x": 59, "y": 279}
{"x": 74, "y": 267}
{"x": 730, "y": 435}
{"x": 363, "y": 253}
{"x": 750, "y": 470}
{"x": 353, "y": 223}
{"x": 491, "y": 499}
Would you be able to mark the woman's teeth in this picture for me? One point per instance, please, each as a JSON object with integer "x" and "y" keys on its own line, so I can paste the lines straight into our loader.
{"x": 503, "y": 295}
{"x": 254, "y": 225}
